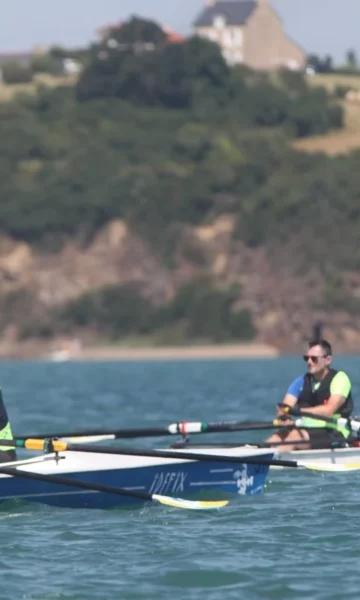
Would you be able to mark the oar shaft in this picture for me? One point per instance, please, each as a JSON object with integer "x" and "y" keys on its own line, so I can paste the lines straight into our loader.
{"x": 180, "y": 428}
{"x": 99, "y": 487}
{"x": 205, "y": 457}
{"x": 124, "y": 433}
{"x": 351, "y": 424}
{"x": 236, "y": 426}
{"x": 332, "y": 420}
{"x": 61, "y": 446}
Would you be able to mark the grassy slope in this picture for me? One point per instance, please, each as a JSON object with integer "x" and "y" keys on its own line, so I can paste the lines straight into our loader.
{"x": 7, "y": 92}
{"x": 347, "y": 139}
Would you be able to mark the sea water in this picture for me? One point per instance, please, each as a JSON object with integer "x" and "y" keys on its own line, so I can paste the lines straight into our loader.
{"x": 300, "y": 539}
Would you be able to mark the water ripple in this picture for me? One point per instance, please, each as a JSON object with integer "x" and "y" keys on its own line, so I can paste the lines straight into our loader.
{"x": 300, "y": 539}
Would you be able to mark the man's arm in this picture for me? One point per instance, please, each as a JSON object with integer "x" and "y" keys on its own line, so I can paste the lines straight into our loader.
{"x": 331, "y": 407}
{"x": 292, "y": 394}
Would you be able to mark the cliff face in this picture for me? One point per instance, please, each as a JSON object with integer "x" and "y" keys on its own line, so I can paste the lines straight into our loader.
{"x": 284, "y": 306}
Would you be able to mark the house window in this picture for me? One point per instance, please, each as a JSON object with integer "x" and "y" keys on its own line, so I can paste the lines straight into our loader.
{"x": 227, "y": 38}
{"x": 238, "y": 37}
{"x": 212, "y": 35}
{"x": 219, "y": 21}
{"x": 293, "y": 65}
{"x": 112, "y": 43}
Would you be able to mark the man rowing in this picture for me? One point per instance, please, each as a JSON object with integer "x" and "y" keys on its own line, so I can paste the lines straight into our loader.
{"x": 322, "y": 391}
{"x": 6, "y": 453}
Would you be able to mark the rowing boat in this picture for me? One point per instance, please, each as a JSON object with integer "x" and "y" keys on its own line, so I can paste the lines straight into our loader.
{"x": 138, "y": 473}
{"x": 326, "y": 456}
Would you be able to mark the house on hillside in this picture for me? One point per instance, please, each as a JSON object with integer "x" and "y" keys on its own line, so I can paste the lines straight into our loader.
{"x": 249, "y": 32}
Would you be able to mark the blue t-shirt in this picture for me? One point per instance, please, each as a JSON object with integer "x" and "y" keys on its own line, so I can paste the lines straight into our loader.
{"x": 296, "y": 386}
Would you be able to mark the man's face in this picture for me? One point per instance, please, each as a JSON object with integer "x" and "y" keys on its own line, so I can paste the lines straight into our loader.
{"x": 316, "y": 360}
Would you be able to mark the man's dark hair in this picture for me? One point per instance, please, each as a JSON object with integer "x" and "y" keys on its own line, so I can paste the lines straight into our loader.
{"x": 324, "y": 345}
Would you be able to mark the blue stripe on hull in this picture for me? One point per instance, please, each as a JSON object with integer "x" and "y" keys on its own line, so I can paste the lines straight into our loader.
{"x": 178, "y": 479}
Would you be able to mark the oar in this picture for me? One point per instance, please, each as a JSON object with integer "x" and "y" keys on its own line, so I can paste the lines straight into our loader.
{"x": 352, "y": 424}
{"x": 261, "y": 445}
{"x": 62, "y": 446}
{"x": 180, "y": 428}
{"x": 109, "y": 489}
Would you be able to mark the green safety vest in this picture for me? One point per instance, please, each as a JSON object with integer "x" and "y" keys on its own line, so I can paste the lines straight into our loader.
{"x": 5, "y": 427}
{"x": 310, "y": 397}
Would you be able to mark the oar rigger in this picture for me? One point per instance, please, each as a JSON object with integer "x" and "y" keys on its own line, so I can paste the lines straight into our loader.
{"x": 49, "y": 447}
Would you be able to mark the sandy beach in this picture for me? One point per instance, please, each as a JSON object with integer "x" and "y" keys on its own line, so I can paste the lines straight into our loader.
{"x": 176, "y": 353}
{"x": 73, "y": 349}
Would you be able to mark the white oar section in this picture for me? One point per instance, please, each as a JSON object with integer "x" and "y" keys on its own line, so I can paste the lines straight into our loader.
{"x": 172, "y": 429}
{"x": 330, "y": 467}
{"x": 355, "y": 425}
{"x": 89, "y": 439}
{"x": 186, "y": 427}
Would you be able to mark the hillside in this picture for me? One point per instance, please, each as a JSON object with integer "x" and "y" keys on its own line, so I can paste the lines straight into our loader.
{"x": 138, "y": 209}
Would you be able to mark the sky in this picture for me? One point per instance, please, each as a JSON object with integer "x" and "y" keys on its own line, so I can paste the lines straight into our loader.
{"x": 319, "y": 26}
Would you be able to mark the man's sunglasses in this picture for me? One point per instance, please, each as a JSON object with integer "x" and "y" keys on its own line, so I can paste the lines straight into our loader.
{"x": 314, "y": 359}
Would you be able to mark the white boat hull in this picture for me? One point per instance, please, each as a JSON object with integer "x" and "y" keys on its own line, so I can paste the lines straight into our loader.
{"x": 327, "y": 456}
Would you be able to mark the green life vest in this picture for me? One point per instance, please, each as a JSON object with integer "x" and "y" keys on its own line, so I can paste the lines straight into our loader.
{"x": 310, "y": 397}
{"x": 5, "y": 427}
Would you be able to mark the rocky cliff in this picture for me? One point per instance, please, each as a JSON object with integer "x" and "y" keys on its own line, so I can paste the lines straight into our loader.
{"x": 284, "y": 305}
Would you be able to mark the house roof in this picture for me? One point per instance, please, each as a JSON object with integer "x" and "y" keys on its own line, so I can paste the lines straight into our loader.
{"x": 236, "y": 12}
{"x": 172, "y": 36}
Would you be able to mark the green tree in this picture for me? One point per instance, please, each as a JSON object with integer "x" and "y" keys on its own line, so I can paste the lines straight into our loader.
{"x": 135, "y": 62}
{"x": 15, "y": 72}
{"x": 136, "y": 35}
